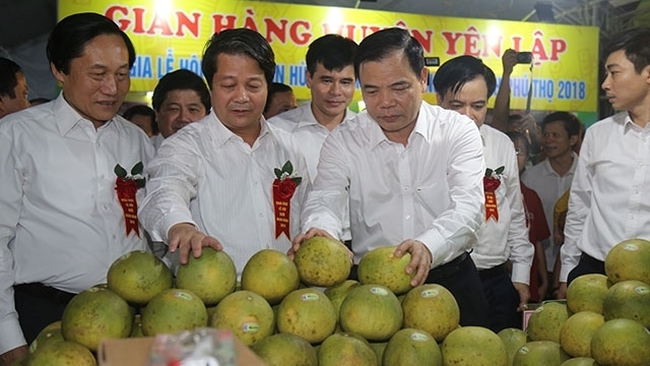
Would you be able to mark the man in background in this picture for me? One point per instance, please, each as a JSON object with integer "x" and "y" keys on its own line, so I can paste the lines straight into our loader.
{"x": 13, "y": 88}
{"x": 280, "y": 100}
{"x": 62, "y": 222}
{"x": 180, "y": 98}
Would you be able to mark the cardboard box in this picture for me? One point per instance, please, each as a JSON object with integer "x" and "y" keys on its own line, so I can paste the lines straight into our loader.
{"x": 136, "y": 351}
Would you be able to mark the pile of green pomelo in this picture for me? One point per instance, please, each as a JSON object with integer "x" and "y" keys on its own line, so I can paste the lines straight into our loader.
{"x": 306, "y": 312}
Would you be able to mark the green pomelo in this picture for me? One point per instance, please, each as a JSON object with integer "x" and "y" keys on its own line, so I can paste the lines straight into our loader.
{"x": 286, "y": 349}
{"x": 372, "y": 311}
{"x": 172, "y": 311}
{"x": 576, "y": 333}
{"x": 621, "y": 342}
{"x": 628, "y": 299}
{"x": 513, "y": 339}
{"x": 337, "y": 293}
{"x": 211, "y": 276}
{"x": 95, "y": 314}
{"x": 307, "y": 313}
{"x": 380, "y": 266}
{"x": 270, "y": 274}
{"x": 51, "y": 333}
{"x": 343, "y": 349}
{"x": 629, "y": 260}
{"x": 63, "y": 353}
{"x": 379, "y": 348}
{"x": 246, "y": 314}
{"x": 136, "y": 332}
{"x": 586, "y": 293}
{"x": 322, "y": 262}
{"x": 579, "y": 361}
{"x": 412, "y": 347}
{"x": 473, "y": 346}
{"x": 547, "y": 320}
{"x": 138, "y": 276}
{"x": 432, "y": 308}
{"x": 538, "y": 353}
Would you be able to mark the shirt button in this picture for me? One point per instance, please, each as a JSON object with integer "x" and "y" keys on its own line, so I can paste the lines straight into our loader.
{"x": 261, "y": 216}
{"x": 105, "y": 207}
{"x": 408, "y": 217}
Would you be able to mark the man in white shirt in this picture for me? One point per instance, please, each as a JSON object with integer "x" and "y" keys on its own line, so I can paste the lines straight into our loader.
{"x": 411, "y": 172}
{"x": 213, "y": 182}
{"x": 180, "y": 98}
{"x": 464, "y": 84}
{"x": 331, "y": 80}
{"x": 552, "y": 177}
{"x": 13, "y": 88}
{"x": 608, "y": 201}
{"x": 64, "y": 216}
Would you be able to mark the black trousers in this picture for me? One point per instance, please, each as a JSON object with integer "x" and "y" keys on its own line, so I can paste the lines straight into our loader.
{"x": 586, "y": 265}
{"x": 37, "y": 307}
{"x": 460, "y": 277}
{"x": 502, "y": 297}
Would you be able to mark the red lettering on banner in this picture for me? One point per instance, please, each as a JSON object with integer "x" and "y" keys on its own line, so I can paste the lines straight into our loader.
{"x": 557, "y": 46}
{"x": 279, "y": 30}
{"x": 473, "y": 43}
{"x": 347, "y": 30}
{"x": 516, "y": 43}
{"x": 159, "y": 25}
{"x": 219, "y": 25}
{"x": 298, "y": 37}
{"x": 426, "y": 42}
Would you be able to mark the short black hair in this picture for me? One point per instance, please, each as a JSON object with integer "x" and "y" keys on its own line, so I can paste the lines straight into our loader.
{"x": 383, "y": 43}
{"x": 454, "y": 73}
{"x": 239, "y": 41}
{"x": 181, "y": 79}
{"x": 142, "y": 110}
{"x": 70, "y": 36}
{"x": 9, "y": 71}
{"x": 273, "y": 89}
{"x": 333, "y": 51}
{"x": 636, "y": 45}
{"x": 569, "y": 120}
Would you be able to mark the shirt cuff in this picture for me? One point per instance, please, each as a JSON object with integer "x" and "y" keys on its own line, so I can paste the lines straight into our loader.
{"x": 167, "y": 222}
{"x": 436, "y": 245}
{"x": 520, "y": 273}
{"x": 11, "y": 336}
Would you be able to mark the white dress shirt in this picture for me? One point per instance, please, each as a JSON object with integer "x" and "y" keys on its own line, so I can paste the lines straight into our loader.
{"x": 430, "y": 190}
{"x": 609, "y": 195}
{"x": 207, "y": 176}
{"x": 507, "y": 237}
{"x": 61, "y": 223}
{"x": 549, "y": 186}
{"x": 309, "y": 135}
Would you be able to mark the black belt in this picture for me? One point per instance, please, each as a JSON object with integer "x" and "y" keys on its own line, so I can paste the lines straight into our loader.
{"x": 45, "y": 292}
{"x": 492, "y": 272}
{"x": 593, "y": 262}
{"x": 450, "y": 267}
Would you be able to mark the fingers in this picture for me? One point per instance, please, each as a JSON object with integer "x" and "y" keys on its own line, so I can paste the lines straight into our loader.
{"x": 420, "y": 260}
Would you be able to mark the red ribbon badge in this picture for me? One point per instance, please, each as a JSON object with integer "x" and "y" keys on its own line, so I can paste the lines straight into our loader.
{"x": 126, "y": 189}
{"x": 282, "y": 192}
{"x": 490, "y": 185}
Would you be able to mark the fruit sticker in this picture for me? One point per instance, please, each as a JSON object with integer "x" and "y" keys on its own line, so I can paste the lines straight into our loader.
{"x": 419, "y": 337}
{"x": 310, "y": 296}
{"x": 631, "y": 247}
{"x": 183, "y": 295}
{"x": 524, "y": 350}
{"x": 250, "y": 327}
{"x": 378, "y": 291}
{"x": 429, "y": 293}
{"x": 642, "y": 290}
{"x": 539, "y": 309}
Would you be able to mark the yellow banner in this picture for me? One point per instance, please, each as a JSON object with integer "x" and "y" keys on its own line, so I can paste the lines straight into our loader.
{"x": 171, "y": 34}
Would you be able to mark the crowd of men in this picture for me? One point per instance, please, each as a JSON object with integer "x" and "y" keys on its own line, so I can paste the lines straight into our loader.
{"x": 434, "y": 180}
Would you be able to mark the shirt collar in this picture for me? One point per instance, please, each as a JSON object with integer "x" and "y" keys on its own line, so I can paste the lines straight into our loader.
{"x": 223, "y": 134}
{"x": 422, "y": 128}
{"x": 66, "y": 117}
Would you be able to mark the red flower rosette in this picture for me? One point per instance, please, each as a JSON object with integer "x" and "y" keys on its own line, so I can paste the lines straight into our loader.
{"x": 126, "y": 189}
{"x": 490, "y": 185}
{"x": 284, "y": 186}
